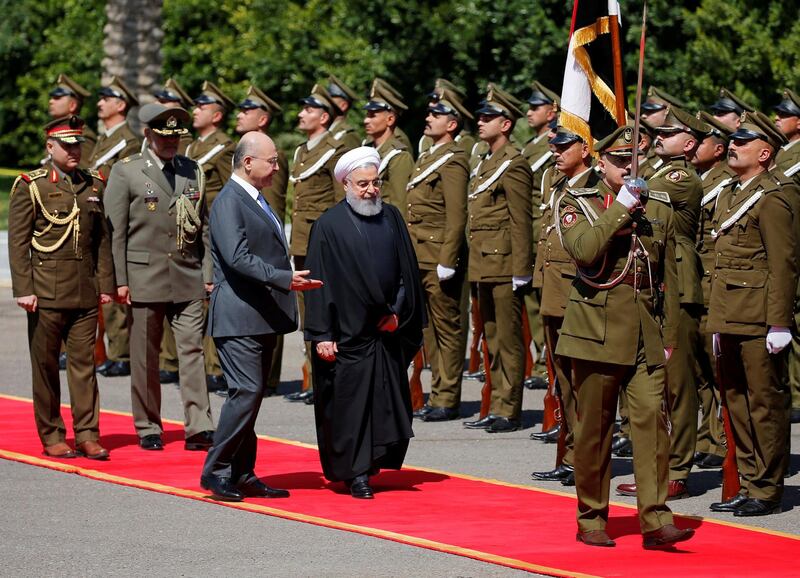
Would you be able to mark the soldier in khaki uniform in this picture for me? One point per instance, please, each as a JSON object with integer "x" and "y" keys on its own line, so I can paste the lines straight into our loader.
{"x": 500, "y": 259}
{"x": 728, "y": 108}
{"x": 60, "y": 259}
{"x": 677, "y": 138}
{"x": 256, "y": 112}
{"x": 437, "y": 217}
{"x": 155, "y": 204}
{"x": 465, "y": 139}
{"x": 213, "y": 151}
{"x": 709, "y": 160}
{"x": 543, "y": 106}
{"x": 751, "y": 312}
{"x": 787, "y": 119}
{"x": 619, "y": 330}
{"x": 343, "y": 97}
{"x": 172, "y": 95}
{"x": 315, "y": 190}
{"x": 654, "y": 113}
{"x": 553, "y": 274}
{"x": 117, "y": 142}
{"x": 383, "y": 109}
{"x": 67, "y": 99}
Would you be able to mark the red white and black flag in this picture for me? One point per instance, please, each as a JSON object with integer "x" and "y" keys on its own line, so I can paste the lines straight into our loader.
{"x": 592, "y": 98}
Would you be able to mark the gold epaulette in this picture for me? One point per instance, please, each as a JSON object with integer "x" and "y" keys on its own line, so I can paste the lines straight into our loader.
{"x": 96, "y": 174}
{"x": 659, "y": 196}
{"x": 582, "y": 191}
{"x": 27, "y": 177}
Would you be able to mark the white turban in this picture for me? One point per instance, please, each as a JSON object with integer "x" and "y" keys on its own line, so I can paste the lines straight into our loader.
{"x": 351, "y": 160}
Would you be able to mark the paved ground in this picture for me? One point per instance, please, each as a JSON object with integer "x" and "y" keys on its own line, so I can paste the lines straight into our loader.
{"x": 54, "y": 523}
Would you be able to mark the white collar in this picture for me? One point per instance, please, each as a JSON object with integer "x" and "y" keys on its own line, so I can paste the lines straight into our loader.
{"x": 744, "y": 185}
{"x": 571, "y": 182}
{"x": 251, "y": 190}
{"x": 790, "y": 144}
{"x": 312, "y": 142}
{"x": 113, "y": 129}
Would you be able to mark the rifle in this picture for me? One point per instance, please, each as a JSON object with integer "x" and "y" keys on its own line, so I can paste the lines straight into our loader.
{"x": 730, "y": 471}
{"x": 526, "y": 340}
{"x": 551, "y": 399}
{"x": 100, "y": 355}
{"x": 415, "y": 382}
{"x": 477, "y": 332}
{"x": 486, "y": 391}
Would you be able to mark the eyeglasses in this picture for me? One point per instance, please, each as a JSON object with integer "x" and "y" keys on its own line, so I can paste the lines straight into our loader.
{"x": 363, "y": 185}
{"x": 272, "y": 160}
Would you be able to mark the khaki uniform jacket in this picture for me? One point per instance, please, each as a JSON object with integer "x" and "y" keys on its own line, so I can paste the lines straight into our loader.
{"x": 437, "y": 207}
{"x": 72, "y": 275}
{"x": 215, "y": 155}
{"x": 276, "y": 192}
{"x": 539, "y": 156}
{"x": 607, "y": 325}
{"x": 345, "y": 133}
{"x": 788, "y": 159}
{"x": 755, "y": 271}
{"x": 143, "y": 213}
{"x": 554, "y": 270}
{"x": 464, "y": 139}
{"x": 500, "y": 219}
{"x": 123, "y": 142}
{"x": 678, "y": 179}
{"x": 714, "y": 180}
{"x": 396, "y": 167}
{"x": 651, "y": 164}
{"x": 315, "y": 187}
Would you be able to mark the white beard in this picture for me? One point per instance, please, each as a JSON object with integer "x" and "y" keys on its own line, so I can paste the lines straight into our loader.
{"x": 365, "y": 207}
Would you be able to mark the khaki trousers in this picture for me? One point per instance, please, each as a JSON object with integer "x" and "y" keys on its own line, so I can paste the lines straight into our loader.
{"x": 501, "y": 311}
{"x": 147, "y": 325}
{"x": 711, "y": 431}
{"x": 597, "y": 386}
{"x": 535, "y": 322}
{"x": 116, "y": 318}
{"x": 169, "y": 353}
{"x": 47, "y": 328}
{"x": 563, "y": 368}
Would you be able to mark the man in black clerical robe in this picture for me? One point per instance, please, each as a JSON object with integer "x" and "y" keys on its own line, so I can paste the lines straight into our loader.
{"x": 366, "y": 325}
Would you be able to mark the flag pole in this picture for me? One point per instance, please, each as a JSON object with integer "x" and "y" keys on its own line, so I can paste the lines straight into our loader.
{"x": 616, "y": 52}
{"x": 637, "y": 112}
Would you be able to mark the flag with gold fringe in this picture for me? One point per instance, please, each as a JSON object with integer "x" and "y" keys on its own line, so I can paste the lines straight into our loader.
{"x": 589, "y": 104}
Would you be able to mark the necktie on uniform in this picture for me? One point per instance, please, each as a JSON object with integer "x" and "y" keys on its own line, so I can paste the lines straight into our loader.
{"x": 169, "y": 172}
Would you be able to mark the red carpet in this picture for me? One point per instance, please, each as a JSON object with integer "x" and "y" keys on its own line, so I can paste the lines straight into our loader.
{"x": 437, "y": 510}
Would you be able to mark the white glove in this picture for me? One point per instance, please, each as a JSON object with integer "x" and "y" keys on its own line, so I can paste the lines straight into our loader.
{"x": 517, "y": 282}
{"x": 715, "y": 348}
{"x": 778, "y": 338}
{"x": 631, "y": 192}
{"x": 444, "y": 273}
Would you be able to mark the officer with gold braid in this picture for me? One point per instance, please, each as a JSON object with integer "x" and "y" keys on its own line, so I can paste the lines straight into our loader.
{"x": 619, "y": 329}
{"x": 61, "y": 267}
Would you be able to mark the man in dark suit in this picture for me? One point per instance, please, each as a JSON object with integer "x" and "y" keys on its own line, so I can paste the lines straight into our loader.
{"x": 252, "y": 303}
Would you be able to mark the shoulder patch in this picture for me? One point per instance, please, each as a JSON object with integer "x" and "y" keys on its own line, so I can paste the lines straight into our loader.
{"x": 568, "y": 217}
{"x": 677, "y": 175}
{"x": 96, "y": 174}
{"x": 33, "y": 175}
{"x": 659, "y": 196}
{"x": 582, "y": 192}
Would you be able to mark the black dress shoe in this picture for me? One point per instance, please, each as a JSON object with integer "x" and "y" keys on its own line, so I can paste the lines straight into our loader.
{"x": 710, "y": 462}
{"x": 258, "y": 489}
{"x": 360, "y": 488}
{"x": 151, "y": 442}
{"x": 504, "y": 425}
{"x": 622, "y": 447}
{"x": 478, "y": 375}
{"x": 309, "y": 400}
{"x": 442, "y": 414}
{"x": 729, "y": 505}
{"x": 569, "y": 480}
{"x": 756, "y": 507}
{"x": 561, "y": 472}
{"x": 699, "y": 457}
{"x": 420, "y": 413}
{"x": 221, "y": 488}
{"x": 535, "y": 382}
{"x": 299, "y": 395}
{"x": 116, "y": 369}
{"x": 216, "y": 383}
{"x": 165, "y": 376}
{"x": 62, "y": 360}
{"x": 549, "y": 437}
{"x": 482, "y": 423}
{"x": 103, "y": 367}
{"x": 199, "y": 442}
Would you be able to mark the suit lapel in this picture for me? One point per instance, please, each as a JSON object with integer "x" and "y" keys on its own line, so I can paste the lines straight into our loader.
{"x": 156, "y": 174}
{"x": 251, "y": 204}
{"x": 180, "y": 179}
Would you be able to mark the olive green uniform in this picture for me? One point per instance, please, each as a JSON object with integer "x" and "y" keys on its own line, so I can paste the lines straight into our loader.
{"x": 540, "y": 158}
{"x": 437, "y": 216}
{"x": 395, "y": 170}
{"x": 553, "y": 274}
{"x": 165, "y": 264}
{"x": 678, "y": 179}
{"x": 60, "y": 251}
{"x": 615, "y": 338}
{"x": 344, "y": 132}
{"x": 710, "y": 432}
{"x": 111, "y": 147}
{"x": 500, "y": 229}
{"x": 754, "y": 285}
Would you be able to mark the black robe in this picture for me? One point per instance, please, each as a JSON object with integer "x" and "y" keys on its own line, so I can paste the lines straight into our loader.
{"x": 362, "y": 403}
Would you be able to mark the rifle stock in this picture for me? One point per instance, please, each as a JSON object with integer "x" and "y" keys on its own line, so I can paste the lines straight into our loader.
{"x": 486, "y": 391}
{"x": 551, "y": 401}
{"x": 526, "y": 340}
{"x": 477, "y": 332}
{"x": 730, "y": 471}
{"x": 100, "y": 355}
{"x": 415, "y": 381}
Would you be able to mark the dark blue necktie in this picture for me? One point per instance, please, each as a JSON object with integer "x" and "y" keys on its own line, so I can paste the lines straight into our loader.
{"x": 270, "y": 214}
